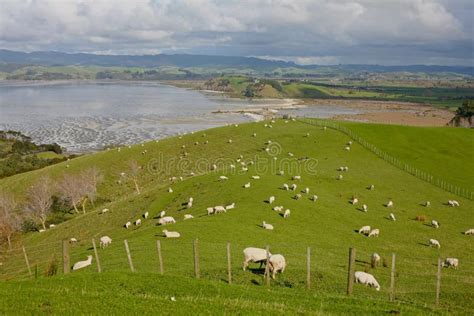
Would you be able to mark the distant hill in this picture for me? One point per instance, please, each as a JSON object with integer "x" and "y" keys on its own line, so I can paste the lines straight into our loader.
{"x": 186, "y": 61}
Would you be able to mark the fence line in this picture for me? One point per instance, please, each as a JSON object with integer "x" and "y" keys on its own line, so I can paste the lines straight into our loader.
{"x": 422, "y": 175}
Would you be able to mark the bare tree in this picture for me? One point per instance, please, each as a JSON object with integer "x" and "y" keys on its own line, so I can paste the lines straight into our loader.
{"x": 134, "y": 173}
{"x": 70, "y": 188}
{"x": 39, "y": 200}
{"x": 90, "y": 178}
{"x": 10, "y": 222}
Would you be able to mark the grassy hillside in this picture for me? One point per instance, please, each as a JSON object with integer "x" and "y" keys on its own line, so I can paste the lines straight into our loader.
{"x": 327, "y": 226}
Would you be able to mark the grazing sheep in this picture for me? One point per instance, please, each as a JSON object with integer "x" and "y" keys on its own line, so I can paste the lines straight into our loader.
{"x": 42, "y": 230}
{"x": 230, "y": 206}
{"x": 232, "y": 166}
{"x": 355, "y": 201}
{"x": 340, "y": 169}
{"x": 364, "y": 230}
{"x": 346, "y": 168}
{"x": 286, "y": 214}
{"x": 189, "y": 204}
{"x": 145, "y": 216}
{"x": 367, "y": 279}
{"x": 453, "y": 203}
{"x": 364, "y": 208}
{"x": 281, "y": 173}
{"x": 230, "y": 141}
{"x": 169, "y": 234}
{"x": 427, "y": 203}
{"x": 297, "y": 196}
{"x": 170, "y": 190}
{"x": 223, "y": 178}
{"x": 391, "y": 216}
{"x": 256, "y": 177}
{"x": 434, "y": 243}
{"x": 210, "y": 211}
{"x": 166, "y": 220}
{"x": 286, "y": 187}
{"x": 293, "y": 187}
{"x": 162, "y": 214}
{"x": 255, "y": 255}
{"x": 254, "y": 135}
{"x": 298, "y": 178}
{"x": 247, "y": 185}
{"x": 276, "y": 263}
{"x": 188, "y": 216}
{"x": 349, "y": 143}
{"x": 389, "y": 204}
{"x": 371, "y": 187}
{"x": 138, "y": 222}
{"x": 375, "y": 259}
{"x": 314, "y": 198}
{"x": 128, "y": 224}
{"x": 105, "y": 241}
{"x": 73, "y": 240}
{"x": 347, "y": 148}
{"x": 306, "y": 190}
{"x": 374, "y": 233}
{"x": 451, "y": 262}
{"x": 105, "y": 210}
{"x": 267, "y": 226}
{"x": 469, "y": 231}
{"x": 434, "y": 224}
{"x": 245, "y": 169}
{"x": 339, "y": 177}
{"x": 271, "y": 199}
{"x": 82, "y": 264}
{"x": 219, "y": 209}
{"x": 52, "y": 225}
{"x": 213, "y": 167}
{"x": 290, "y": 154}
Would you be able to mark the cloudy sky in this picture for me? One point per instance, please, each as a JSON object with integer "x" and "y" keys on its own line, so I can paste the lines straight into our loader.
{"x": 305, "y": 31}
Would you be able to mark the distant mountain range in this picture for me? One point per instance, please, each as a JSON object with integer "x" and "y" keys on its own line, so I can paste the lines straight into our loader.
{"x": 186, "y": 61}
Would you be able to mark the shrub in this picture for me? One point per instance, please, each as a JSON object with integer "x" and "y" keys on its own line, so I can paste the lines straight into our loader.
{"x": 52, "y": 267}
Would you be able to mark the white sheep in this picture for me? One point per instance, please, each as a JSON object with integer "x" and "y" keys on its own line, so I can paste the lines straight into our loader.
{"x": 293, "y": 187}
{"x": 355, "y": 201}
{"x": 365, "y": 208}
{"x": 434, "y": 223}
{"x": 219, "y": 209}
{"x": 213, "y": 167}
{"x": 281, "y": 173}
{"x": 278, "y": 208}
{"x": 128, "y": 224}
{"x": 276, "y": 263}
{"x": 169, "y": 234}
{"x": 188, "y": 216}
{"x": 223, "y": 178}
{"x": 170, "y": 190}
{"x": 290, "y": 154}
{"x": 42, "y": 230}
{"x": 367, "y": 279}
{"x": 230, "y": 206}
{"x": 306, "y": 190}
{"x": 52, "y": 226}
{"x": 256, "y": 177}
{"x": 371, "y": 187}
{"x": 162, "y": 214}
{"x": 469, "y": 231}
{"x": 255, "y": 255}
{"x": 285, "y": 187}
{"x": 166, "y": 220}
{"x": 105, "y": 241}
{"x": 349, "y": 143}
{"x": 347, "y": 148}
{"x": 427, "y": 203}
{"x": 391, "y": 216}
{"x": 82, "y": 264}
{"x": 314, "y": 198}
{"x": 105, "y": 210}
{"x": 297, "y": 196}
{"x": 453, "y": 203}
{"x": 339, "y": 177}
{"x": 267, "y": 226}
{"x": 434, "y": 243}
{"x": 286, "y": 214}
{"x": 389, "y": 204}
{"x": 230, "y": 141}
{"x": 210, "y": 211}
{"x": 189, "y": 204}
{"x": 374, "y": 232}
{"x": 375, "y": 259}
{"x": 364, "y": 230}
{"x": 271, "y": 199}
{"x": 73, "y": 240}
{"x": 138, "y": 222}
{"x": 145, "y": 216}
{"x": 451, "y": 262}
{"x": 247, "y": 185}
{"x": 297, "y": 178}
{"x": 245, "y": 169}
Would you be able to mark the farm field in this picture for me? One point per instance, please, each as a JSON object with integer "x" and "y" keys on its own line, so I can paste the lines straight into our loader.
{"x": 328, "y": 226}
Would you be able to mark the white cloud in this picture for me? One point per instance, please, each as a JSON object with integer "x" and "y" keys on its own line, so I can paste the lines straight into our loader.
{"x": 302, "y": 28}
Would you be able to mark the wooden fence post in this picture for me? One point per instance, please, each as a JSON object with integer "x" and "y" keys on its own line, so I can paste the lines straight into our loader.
{"x": 308, "y": 268}
{"x": 129, "y": 256}
{"x": 36, "y": 271}
{"x": 229, "y": 264}
{"x": 267, "y": 268}
{"x": 438, "y": 281}
{"x": 392, "y": 279}
{"x": 160, "y": 258}
{"x": 97, "y": 261}
{"x": 350, "y": 271}
{"x": 27, "y": 262}
{"x": 197, "y": 272}
{"x": 66, "y": 258}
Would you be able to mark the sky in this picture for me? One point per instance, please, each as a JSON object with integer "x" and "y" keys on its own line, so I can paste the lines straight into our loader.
{"x": 387, "y": 32}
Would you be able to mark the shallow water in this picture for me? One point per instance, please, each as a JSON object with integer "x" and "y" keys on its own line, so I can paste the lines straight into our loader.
{"x": 86, "y": 116}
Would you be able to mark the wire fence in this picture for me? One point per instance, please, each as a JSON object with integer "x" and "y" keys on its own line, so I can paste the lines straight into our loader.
{"x": 420, "y": 174}
{"x": 324, "y": 270}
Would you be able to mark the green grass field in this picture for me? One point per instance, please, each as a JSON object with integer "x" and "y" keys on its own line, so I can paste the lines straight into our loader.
{"x": 327, "y": 226}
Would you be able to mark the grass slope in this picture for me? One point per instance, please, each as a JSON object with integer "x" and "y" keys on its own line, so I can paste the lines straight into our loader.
{"x": 327, "y": 226}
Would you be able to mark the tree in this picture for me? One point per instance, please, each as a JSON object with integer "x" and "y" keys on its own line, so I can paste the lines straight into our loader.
{"x": 39, "y": 200}
{"x": 10, "y": 222}
{"x": 134, "y": 173}
{"x": 467, "y": 109}
{"x": 70, "y": 190}
{"x": 89, "y": 179}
